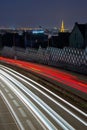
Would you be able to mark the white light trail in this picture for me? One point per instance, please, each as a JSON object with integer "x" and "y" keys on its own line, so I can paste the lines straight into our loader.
{"x": 83, "y": 113}
{"x": 29, "y": 104}
{"x": 12, "y": 111}
{"x": 23, "y": 79}
{"x": 71, "y": 113}
{"x": 52, "y": 113}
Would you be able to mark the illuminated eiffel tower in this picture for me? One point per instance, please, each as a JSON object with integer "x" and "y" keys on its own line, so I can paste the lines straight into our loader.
{"x": 62, "y": 29}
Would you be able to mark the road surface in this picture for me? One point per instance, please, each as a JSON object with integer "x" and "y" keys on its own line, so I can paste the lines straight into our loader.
{"x": 35, "y": 107}
{"x": 71, "y": 81}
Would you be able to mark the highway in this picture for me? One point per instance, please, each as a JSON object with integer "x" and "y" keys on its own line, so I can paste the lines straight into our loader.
{"x": 35, "y": 107}
{"x": 71, "y": 81}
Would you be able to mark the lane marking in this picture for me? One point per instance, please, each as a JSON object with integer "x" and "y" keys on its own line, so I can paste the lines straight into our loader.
{"x": 22, "y": 112}
{"x": 52, "y": 113}
{"x": 16, "y": 103}
{"x": 69, "y": 112}
{"x": 2, "y": 85}
{"x": 29, "y": 123}
{"x": 5, "y": 68}
{"x": 6, "y": 90}
{"x": 10, "y": 95}
{"x": 11, "y": 110}
{"x": 31, "y": 107}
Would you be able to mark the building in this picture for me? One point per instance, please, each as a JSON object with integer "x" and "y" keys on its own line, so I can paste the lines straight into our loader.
{"x": 78, "y": 36}
{"x": 0, "y": 41}
{"x": 63, "y": 39}
{"x": 36, "y": 38}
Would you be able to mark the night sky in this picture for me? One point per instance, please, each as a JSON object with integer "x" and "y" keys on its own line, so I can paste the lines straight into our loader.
{"x": 45, "y": 13}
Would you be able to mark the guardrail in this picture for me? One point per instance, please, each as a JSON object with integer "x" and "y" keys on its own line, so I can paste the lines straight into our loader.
{"x": 67, "y": 58}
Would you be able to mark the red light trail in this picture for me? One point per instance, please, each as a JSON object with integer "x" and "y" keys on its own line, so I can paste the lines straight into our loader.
{"x": 62, "y": 77}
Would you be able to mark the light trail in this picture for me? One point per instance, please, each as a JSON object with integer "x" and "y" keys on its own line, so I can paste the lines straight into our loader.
{"x": 85, "y": 123}
{"x": 19, "y": 124}
{"x": 24, "y": 77}
{"x": 62, "y": 77}
{"x": 45, "y": 107}
{"x": 29, "y": 104}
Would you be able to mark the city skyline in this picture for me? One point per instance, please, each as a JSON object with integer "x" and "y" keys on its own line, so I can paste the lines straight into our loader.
{"x": 31, "y": 13}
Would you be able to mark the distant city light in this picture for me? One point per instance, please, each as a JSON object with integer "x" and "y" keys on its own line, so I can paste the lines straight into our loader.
{"x": 37, "y": 31}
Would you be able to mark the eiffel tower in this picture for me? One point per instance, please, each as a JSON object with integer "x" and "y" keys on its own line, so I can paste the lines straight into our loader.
{"x": 62, "y": 29}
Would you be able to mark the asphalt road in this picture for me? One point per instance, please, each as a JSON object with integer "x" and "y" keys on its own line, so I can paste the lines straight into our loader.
{"x": 74, "y": 82}
{"x": 35, "y": 107}
{"x": 6, "y": 120}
